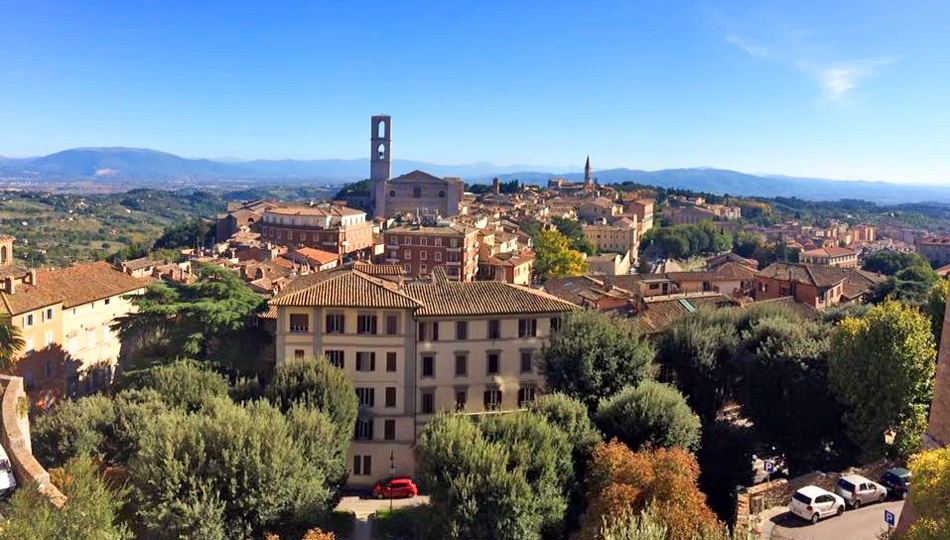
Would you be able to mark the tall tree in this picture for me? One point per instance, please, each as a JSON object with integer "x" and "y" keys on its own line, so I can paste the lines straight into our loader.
{"x": 594, "y": 356}
{"x": 882, "y": 369}
{"x": 651, "y": 413}
{"x": 212, "y": 319}
{"x": 554, "y": 256}
{"x": 10, "y": 343}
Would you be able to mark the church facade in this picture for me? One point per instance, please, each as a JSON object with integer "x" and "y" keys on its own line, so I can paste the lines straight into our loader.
{"x": 417, "y": 193}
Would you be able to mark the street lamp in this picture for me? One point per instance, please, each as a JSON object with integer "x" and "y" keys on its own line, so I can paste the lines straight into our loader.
{"x": 392, "y": 472}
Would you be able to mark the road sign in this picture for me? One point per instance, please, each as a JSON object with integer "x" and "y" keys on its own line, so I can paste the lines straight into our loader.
{"x": 769, "y": 467}
{"x": 889, "y": 518}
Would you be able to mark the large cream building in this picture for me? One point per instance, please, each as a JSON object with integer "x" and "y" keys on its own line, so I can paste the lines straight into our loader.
{"x": 65, "y": 318}
{"x": 414, "y": 349}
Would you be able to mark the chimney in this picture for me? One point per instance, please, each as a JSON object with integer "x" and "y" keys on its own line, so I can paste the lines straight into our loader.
{"x": 33, "y": 276}
{"x": 609, "y": 281}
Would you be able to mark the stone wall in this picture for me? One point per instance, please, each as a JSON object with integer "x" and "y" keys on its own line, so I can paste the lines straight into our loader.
{"x": 939, "y": 427}
{"x": 15, "y": 437}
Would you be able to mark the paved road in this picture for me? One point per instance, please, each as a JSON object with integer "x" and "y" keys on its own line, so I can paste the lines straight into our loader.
{"x": 364, "y": 507}
{"x": 863, "y": 524}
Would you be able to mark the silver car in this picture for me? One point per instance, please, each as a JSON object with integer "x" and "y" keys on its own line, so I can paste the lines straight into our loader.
{"x": 857, "y": 490}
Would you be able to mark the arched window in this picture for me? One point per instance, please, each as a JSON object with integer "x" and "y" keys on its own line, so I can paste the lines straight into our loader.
{"x": 3, "y": 254}
{"x": 381, "y": 129}
{"x": 381, "y": 151}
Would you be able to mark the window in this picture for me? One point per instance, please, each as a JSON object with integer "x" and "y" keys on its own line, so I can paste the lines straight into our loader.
{"x": 438, "y": 242}
{"x": 392, "y": 325}
{"x": 555, "y": 324}
{"x": 424, "y": 241}
{"x": 71, "y": 345}
{"x": 428, "y": 366}
{"x": 366, "y": 324}
{"x": 423, "y": 255}
{"x": 335, "y": 358}
{"x": 423, "y": 268}
{"x": 390, "y": 361}
{"x": 494, "y": 329}
{"x": 362, "y": 465}
{"x": 365, "y": 361}
{"x": 461, "y": 398}
{"x": 364, "y": 430}
{"x": 48, "y": 369}
{"x": 366, "y": 397}
{"x": 461, "y": 365}
{"x": 438, "y": 256}
{"x": 428, "y": 331}
{"x": 91, "y": 338}
{"x": 28, "y": 320}
{"x": 527, "y": 361}
{"x": 107, "y": 301}
{"x": 525, "y": 395}
{"x": 299, "y": 323}
{"x": 407, "y": 240}
{"x": 492, "y": 363}
{"x": 527, "y": 328}
{"x": 47, "y": 338}
{"x": 389, "y": 431}
{"x": 492, "y": 399}
{"x": 407, "y": 255}
{"x": 407, "y": 268}
{"x": 29, "y": 379}
{"x": 453, "y": 242}
{"x": 461, "y": 330}
{"x": 417, "y": 193}
{"x": 390, "y": 396}
{"x": 298, "y": 354}
{"x": 335, "y": 323}
{"x": 428, "y": 402}
{"x": 763, "y": 286}
{"x": 48, "y": 314}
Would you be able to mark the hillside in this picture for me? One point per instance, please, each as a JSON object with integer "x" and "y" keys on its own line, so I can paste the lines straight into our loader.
{"x": 117, "y": 165}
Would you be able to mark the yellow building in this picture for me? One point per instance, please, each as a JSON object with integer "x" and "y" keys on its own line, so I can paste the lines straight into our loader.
{"x": 415, "y": 349}
{"x": 65, "y": 318}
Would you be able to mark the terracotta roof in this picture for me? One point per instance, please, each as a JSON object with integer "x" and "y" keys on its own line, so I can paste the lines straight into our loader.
{"x": 378, "y": 269}
{"x": 318, "y": 255}
{"x": 139, "y": 264}
{"x": 820, "y": 276}
{"x": 580, "y": 288}
{"x": 833, "y": 251}
{"x": 13, "y": 270}
{"x": 447, "y": 230}
{"x": 443, "y": 297}
{"x": 344, "y": 288}
{"x": 734, "y": 271}
{"x": 331, "y": 210}
{"x": 72, "y": 286}
{"x": 662, "y": 312}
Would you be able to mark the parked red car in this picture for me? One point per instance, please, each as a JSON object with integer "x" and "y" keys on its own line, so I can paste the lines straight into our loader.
{"x": 395, "y": 487}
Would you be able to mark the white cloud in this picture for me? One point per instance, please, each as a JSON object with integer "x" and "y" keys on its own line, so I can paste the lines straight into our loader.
{"x": 838, "y": 80}
{"x": 751, "y": 48}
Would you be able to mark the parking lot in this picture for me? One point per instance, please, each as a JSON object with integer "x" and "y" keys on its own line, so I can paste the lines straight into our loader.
{"x": 862, "y": 524}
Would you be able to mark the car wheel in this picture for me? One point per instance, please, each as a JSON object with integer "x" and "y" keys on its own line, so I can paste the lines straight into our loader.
{"x": 814, "y": 519}
{"x": 856, "y": 504}
{"x": 840, "y": 510}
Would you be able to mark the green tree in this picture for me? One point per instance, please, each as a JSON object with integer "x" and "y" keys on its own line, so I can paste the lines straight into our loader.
{"x": 650, "y": 413}
{"x": 89, "y": 513}
{"x": 183, "y": 383}
{"x": 188, "y": 234}
{"x": 317, "y": 383}
{"x": 889, "y": 262}
{"x": 236, "y": 469}
{"x": 554, "y": 257}
{"x": 595, "y": 355}
{"x": 882, "y": 369}
{"x": 935, "y": 305}
{"x": 10, "y": 343}
{"x": 570, "y": 416}
{"x": 574, "y": 232}
{"x": 212, "y": 319}
{"x": 474, "y": 492}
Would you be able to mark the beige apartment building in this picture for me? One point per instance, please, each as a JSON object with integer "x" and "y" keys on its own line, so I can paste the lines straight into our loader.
{"x": 415, "y": 349}
{"x": 831, "y": 256}
{"x": 621, "y": 236}
{"x": 65, "y": 318}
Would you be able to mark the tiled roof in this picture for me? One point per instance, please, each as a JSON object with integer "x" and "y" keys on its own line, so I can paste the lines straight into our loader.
{"x": 378, "y": 269}
{"x": 662, "y": 312}
{"x": 322, "y": 257}
{"x": 734, "y": 271}
{"x": 343, "y": 288}
{"x": 419, "y": 176}
{"x": 72, "y": 286}
{"x": 448, "y": 230}
{"x": 138, "y": 264}
{"x": 332, "y": 210}
{"x": 482, "y": 298}
{"x": 820, "y": 276}
{"x": 833, "y": 251}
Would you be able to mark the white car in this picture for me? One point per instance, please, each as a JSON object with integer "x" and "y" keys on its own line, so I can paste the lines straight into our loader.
{"x": 812, "y": 503}
{"x": 7, "y": 481}
{"x": 857, "y": 490}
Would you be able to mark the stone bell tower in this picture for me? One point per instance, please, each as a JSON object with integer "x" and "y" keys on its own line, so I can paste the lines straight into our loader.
{"x": 380, "y": 160}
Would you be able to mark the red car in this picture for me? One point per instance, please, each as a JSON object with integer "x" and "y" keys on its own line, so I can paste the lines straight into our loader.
{"x": 394, "y": 487}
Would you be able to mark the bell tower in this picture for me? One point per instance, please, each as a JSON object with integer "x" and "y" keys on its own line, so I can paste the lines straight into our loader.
{"x": 6, "y": 251}
{"x": 380, "y": 147}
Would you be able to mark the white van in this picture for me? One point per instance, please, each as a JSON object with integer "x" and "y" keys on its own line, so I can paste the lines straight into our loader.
{"x": 7, "y": 481}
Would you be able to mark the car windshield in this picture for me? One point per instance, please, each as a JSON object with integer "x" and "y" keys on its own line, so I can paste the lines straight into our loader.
{"x": 801, "y": 498}
{"x": 845, "y": 485}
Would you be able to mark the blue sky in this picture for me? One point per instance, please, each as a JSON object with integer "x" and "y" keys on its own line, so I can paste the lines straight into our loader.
{"x": 845, "y": 89}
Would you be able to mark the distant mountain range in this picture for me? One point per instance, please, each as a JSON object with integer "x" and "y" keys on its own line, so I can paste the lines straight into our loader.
{"x": 125, "y": 164}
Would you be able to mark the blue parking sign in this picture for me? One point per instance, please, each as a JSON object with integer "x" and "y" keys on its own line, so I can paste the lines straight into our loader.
{"x": 889, "y": 518}
{"x": 769, "y": 467}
